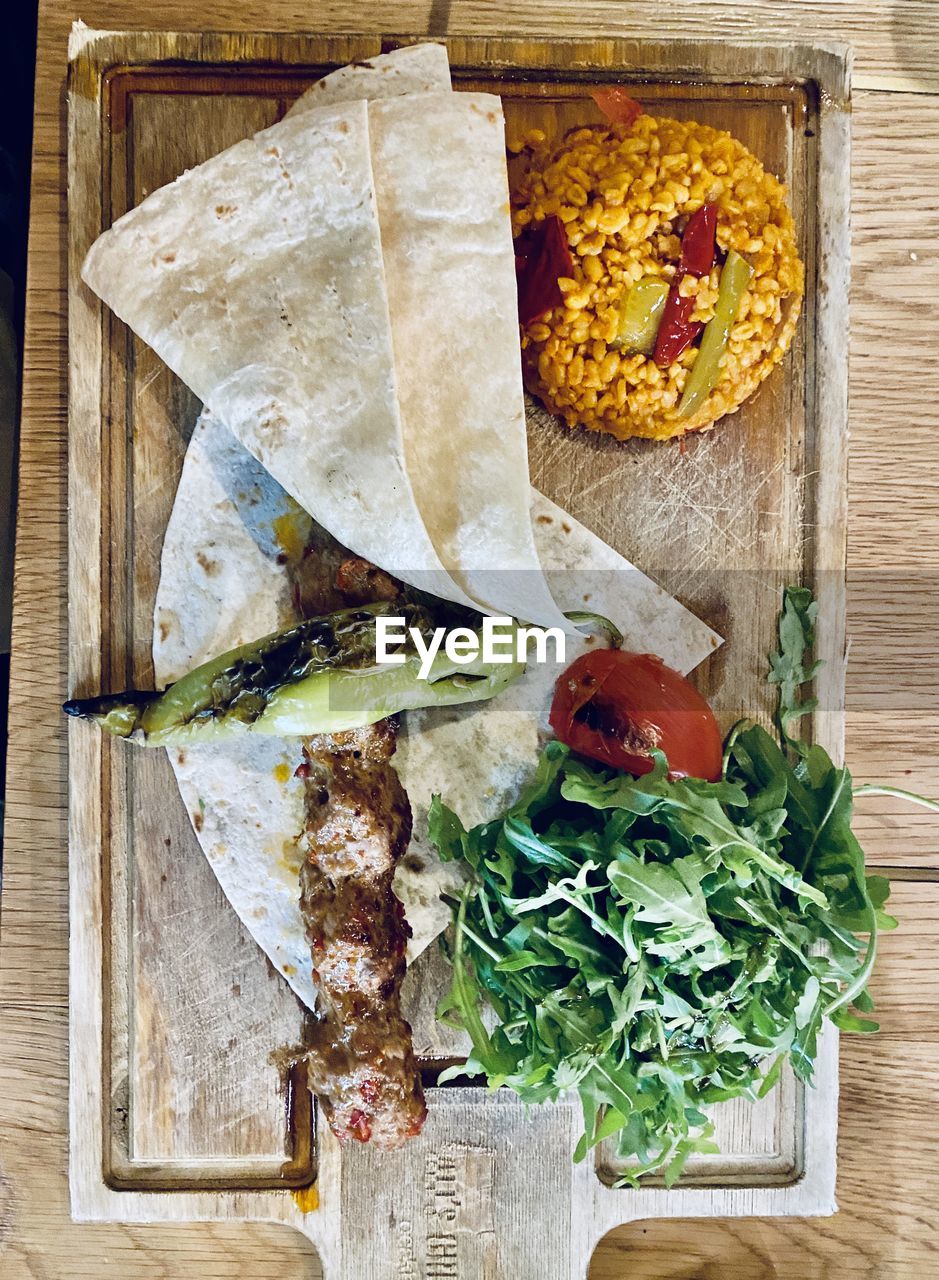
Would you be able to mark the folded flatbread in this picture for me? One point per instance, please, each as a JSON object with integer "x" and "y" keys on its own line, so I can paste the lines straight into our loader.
{"x": 443, "y": 206}
{"x": 239, "y": 276}
{"x": 258, "y": 278}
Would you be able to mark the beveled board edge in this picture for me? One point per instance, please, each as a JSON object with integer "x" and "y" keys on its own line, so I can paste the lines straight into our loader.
{"x": 91, "y": 55}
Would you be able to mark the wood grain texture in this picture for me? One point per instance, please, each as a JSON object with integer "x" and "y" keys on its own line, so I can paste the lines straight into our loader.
{"x": 893, "y": 679}
{"x": 896, "y": 41}
{"x": 894, "y": 517}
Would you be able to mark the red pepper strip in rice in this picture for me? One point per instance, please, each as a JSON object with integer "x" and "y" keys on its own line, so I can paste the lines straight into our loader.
{"x": 542, "y": 255}
{"x": 677, "y": 330}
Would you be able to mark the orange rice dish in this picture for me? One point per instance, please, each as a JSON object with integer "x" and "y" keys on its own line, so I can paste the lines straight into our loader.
{"x": 625, "y": 194}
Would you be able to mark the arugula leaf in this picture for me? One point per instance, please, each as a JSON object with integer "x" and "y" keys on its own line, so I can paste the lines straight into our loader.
{"x": 447, "y": 832}
{"x": 664, "y": 894}
{"x": 788, "y": 666}
{"x": 520, "y": 835}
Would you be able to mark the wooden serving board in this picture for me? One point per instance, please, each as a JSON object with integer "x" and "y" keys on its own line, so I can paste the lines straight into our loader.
{"x": 179, "y": 1107}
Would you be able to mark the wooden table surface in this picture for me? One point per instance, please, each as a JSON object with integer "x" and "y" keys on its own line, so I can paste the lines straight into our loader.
{"x": 889, "y": 1177}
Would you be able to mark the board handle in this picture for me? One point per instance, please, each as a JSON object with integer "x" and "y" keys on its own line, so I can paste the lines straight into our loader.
{"x": 487, "y": 1192}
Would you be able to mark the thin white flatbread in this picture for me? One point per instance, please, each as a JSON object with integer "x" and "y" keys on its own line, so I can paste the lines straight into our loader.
{"x": 443, "y": 207}
{"x": 258, "y": 278}
{"x": 417, "y": 68}
{"x": 221, "y": 584}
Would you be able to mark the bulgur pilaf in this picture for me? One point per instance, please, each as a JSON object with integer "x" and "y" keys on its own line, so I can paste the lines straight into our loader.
{"x": 624, "y": 193}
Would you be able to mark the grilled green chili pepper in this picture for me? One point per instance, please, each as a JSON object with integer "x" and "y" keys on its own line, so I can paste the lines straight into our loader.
{"x": 320, "y": 676}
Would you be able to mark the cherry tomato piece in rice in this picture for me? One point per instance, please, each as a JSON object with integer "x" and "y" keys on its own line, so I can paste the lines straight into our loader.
{"x": 618, "y": 707}
{"x": 617, "y": 105}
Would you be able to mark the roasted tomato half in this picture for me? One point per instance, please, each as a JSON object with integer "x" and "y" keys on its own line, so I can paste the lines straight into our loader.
{"x": 619, "y": 707}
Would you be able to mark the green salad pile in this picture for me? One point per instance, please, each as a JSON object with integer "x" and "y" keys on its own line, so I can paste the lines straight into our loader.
{"x": 662, "y": 945}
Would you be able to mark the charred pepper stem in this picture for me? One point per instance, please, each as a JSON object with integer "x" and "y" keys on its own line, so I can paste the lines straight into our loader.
{"x": 735, "y": 277}
{"x": 320, "y": 676}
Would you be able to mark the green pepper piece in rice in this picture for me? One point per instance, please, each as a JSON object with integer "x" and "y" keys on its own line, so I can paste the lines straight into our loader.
{"x": 735, "y": 277}
{"x": 641, "y": 314}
